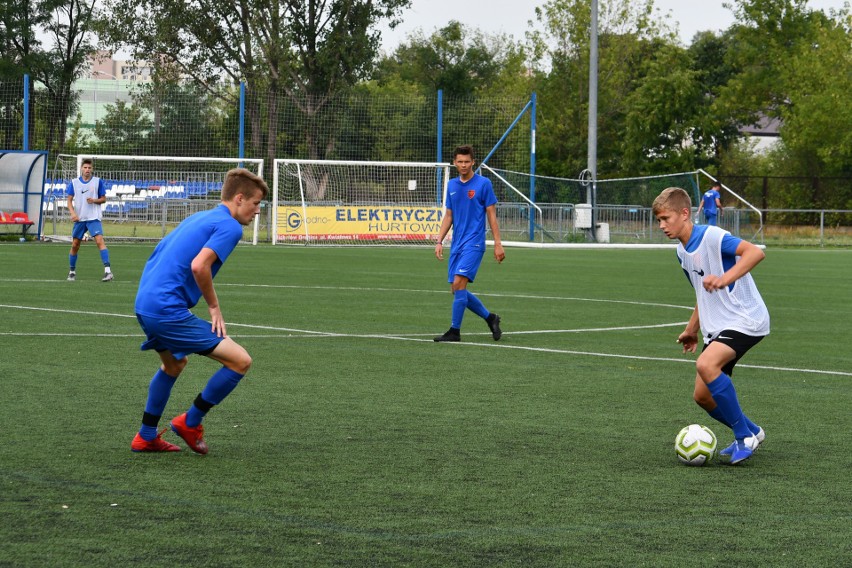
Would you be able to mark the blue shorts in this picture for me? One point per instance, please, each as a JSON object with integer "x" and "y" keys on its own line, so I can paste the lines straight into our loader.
{"x": 710, "y": 219}
{"x": 465, "y": 263}
{"x": 80, "y": 227}
{"x": 181, "y": 335}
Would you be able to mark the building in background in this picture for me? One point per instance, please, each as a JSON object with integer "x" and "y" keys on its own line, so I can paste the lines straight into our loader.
{"x": 108, "y": 80}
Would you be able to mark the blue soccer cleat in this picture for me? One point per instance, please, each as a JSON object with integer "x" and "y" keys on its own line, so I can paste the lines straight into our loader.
{"x": 739, "y": 452}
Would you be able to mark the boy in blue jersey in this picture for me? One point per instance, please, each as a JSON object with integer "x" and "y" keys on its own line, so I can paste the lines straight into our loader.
{"x": 178, "y": 273}
{"x": 470, "y": 200}
{"x": 86, "y": 195}
{"x": 729, "y": 313}
{"x": 711, "y": 203}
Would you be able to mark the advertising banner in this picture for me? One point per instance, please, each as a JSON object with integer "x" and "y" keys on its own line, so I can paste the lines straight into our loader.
{"x": 361, "y": 222}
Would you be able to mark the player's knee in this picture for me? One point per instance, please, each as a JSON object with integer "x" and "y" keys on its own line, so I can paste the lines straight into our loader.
{"x": 241, "y": 364}
{"x": 707, "y": 369}
{"x": 176, "y": 367}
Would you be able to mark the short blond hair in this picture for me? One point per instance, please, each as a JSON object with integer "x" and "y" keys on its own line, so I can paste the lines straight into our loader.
{"x": 241, "y": 181}
{"x": 671, "y": 199}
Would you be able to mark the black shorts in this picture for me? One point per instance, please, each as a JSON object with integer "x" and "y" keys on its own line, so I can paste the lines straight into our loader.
{"x": 739, "y": 342}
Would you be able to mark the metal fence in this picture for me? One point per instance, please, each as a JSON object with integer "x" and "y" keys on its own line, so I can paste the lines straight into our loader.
{"x": 558, "y": 223}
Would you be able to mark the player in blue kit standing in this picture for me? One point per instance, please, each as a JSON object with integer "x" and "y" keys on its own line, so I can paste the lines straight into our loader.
{"x": 179, "y": 272}
{"x": 711, "y": 202}
{"x": 470, "y": 200}
{"x": 729, "y": 313}
{"x": 86, "y": 195}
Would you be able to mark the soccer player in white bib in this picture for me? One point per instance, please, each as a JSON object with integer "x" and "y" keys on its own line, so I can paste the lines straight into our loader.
{"x": 86, "y": 195}
{"x": 729, "y": 313}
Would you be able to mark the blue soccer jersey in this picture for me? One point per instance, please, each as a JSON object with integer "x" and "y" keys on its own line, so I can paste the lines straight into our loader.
{"x": 167, "y": 286}
{"x": 468, "y": 200}
{"x": 710, "y": 196}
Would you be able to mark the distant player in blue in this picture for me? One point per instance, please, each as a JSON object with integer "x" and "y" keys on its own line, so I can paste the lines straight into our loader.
{"x": 470, "y": 200}
{"x": 729, "y": 313}
{"x": 178, "y": 274}
{"x": 711, "y": 202}
{"x": 86, "y": 195}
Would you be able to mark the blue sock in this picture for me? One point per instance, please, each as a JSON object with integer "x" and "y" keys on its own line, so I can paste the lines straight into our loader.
{"x": 717, "y": 415}
{"x": 723, "y": 392}
{"x": 218, "y": 387}
{"x": 72, "y": 261}
{"x": 754, "y": 428}
{"x": 459, "y": 305}
{"x": 105, "y": 256}
{"x": 158, "y": 395}
{"x": 476, "y": 306}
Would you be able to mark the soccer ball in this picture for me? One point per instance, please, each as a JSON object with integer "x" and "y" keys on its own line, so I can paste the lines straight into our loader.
{"x": 696, "y": 445}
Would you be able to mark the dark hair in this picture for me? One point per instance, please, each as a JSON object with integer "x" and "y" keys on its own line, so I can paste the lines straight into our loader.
{"x": 465, "y": 150}
{"x": 87, "y": 161}
{"x": 240, "y": 180}
{"x": 716, "y": 184}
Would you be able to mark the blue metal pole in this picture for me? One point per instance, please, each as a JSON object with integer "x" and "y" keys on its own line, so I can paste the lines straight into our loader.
{"x": 440, "y": 139}
{"x": 532, "y": 165}
{"x": 26, "y": 144}
{"x": 505, "y": 134}
{"x": 242, "y": 119}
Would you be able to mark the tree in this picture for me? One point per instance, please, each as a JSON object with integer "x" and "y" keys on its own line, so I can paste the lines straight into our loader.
{"x": 456, "y": 59}
{"x": 20, "y": 52}
{"x": 794, "y": 64}
{"x": 629, "y": 33}
{"x": 306, "y": 50}
{"x": 124, "y": 129}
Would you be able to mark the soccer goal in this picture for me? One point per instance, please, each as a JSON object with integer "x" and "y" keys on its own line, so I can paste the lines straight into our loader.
{"x": 147, "y": 196}
{"x": 353, "y": 202}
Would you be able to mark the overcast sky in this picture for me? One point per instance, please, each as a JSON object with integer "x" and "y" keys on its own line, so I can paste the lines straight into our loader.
{"x": 511, "y": 16}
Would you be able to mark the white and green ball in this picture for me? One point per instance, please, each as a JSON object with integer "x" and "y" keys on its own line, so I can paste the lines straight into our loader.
{"x": 696, "y": 445}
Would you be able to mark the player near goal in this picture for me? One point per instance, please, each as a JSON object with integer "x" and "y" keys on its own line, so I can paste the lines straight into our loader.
{"x": 470, "y": 200}
{"x": 729, "y": 313}
{"x": 711, "y": 203}
{"x": 179, "y": 272}
{"x": 86, "y": 194}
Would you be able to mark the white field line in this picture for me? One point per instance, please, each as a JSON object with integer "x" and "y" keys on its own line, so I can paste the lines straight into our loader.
{"x": 402, "y": 290}
{"x": 310, "y": 333}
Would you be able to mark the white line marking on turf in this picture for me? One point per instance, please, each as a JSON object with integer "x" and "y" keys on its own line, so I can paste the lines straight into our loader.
{"x": 491, "y": 295}
{"x": 416, "y": 291}
{"x": 309, "y": 333}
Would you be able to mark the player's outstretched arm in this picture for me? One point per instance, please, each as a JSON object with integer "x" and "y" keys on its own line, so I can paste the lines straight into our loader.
{"x": 202, "y": 271}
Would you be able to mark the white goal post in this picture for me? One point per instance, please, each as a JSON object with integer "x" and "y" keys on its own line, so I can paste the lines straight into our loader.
{"x": 343, "y": 202}
{"x": 147, "y": 193}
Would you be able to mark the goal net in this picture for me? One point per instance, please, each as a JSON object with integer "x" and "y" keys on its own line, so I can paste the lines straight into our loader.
{"x": 354, "y": 202}
{"x": 147, "y": 196}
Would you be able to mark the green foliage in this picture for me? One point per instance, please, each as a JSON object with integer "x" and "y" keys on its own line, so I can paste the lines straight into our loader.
{"x": 794, "y": 64}
{"x": 455, "y": 59}
{"x": 308, "y": 52}
{"x": 124, "y": 130}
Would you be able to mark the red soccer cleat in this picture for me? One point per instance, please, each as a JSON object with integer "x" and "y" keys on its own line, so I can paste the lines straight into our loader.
{"x": 140, "y": 444}
{"x": 194, "y": 437}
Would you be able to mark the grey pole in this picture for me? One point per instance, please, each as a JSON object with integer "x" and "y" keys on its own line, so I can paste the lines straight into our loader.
{"x": 591, "y": 190}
